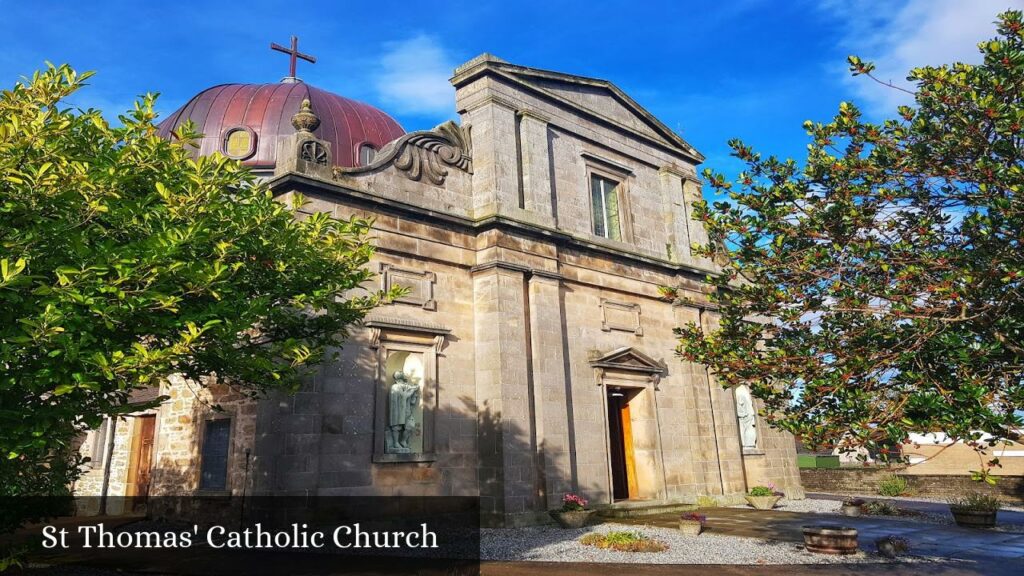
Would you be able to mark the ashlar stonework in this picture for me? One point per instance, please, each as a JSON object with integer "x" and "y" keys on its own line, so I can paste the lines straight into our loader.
{"x": 541, "y": 349}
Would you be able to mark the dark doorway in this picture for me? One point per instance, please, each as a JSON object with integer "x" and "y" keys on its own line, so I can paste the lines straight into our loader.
{"x": 620, "y": 441}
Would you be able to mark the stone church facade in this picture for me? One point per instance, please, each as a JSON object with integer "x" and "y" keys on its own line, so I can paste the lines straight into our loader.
{"x": 532, "y": 354}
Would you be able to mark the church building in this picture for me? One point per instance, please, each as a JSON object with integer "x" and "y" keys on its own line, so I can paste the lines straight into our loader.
{"x": 532, "y": 355}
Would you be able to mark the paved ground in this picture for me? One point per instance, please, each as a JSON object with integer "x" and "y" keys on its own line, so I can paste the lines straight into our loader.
{"x": 928, "y": 540}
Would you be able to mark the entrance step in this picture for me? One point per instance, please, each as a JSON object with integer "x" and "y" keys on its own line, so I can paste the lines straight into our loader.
{"x": 640, "y": 508}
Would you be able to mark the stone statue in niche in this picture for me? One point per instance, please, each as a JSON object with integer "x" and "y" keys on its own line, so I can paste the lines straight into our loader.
{"x": 403, "y": 398}
{"x": 747, "y": 417}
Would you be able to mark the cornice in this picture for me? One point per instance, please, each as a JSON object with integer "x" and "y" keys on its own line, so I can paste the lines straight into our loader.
{"x": 294, "y": 181}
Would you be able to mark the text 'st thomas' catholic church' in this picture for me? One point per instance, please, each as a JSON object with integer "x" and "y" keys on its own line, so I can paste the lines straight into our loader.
{"x": 532, "y": 355}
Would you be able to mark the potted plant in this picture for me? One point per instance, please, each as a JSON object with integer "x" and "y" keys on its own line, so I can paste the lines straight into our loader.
{"x": 892, "y": 546}
{"x": 763, "y": 497}
{"x": 692, "y": 523}
{"x": 852, "y": 507}
{"x": 882, "y": 508}
{"x": 975, "y": 510}
{"x": 573, "y": 513}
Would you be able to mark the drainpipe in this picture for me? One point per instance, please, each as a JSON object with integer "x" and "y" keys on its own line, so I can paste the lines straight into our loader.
{"x": 108, "y": 457}
{"x": 711, "y": 399}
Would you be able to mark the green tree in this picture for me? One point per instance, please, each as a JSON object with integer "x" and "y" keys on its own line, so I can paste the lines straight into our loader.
{"x": 123, "y": 259}
{"x": 875, "y": 290}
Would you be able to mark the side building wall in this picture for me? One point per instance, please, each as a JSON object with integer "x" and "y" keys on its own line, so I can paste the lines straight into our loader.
{"x": 175, "y": 461}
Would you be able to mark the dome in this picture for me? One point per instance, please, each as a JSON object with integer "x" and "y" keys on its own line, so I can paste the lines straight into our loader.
{"x": 244, "y": 121}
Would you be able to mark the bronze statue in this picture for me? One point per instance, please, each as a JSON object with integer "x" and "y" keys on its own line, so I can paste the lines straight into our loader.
{"x": 403, "y": 398}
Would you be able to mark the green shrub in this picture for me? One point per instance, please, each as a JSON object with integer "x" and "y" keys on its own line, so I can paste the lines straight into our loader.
{"x": 893, "y": 485}
{"x": 975, "y": 501}
{"x": 761, "y": 491}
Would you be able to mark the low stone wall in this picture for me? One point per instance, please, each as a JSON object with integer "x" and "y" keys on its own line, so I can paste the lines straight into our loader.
{"x": 864, "y": 481}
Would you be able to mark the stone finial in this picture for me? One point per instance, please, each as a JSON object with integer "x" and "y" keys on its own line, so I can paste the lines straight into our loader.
{"x": 305, "y": 120}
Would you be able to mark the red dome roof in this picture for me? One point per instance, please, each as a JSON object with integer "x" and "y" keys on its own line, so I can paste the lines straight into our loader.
{"x": 267, "y": 110}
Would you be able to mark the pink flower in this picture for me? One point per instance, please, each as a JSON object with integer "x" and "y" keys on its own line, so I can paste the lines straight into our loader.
{"x": 572, "y": 502}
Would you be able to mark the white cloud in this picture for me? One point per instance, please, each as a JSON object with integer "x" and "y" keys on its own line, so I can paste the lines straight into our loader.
{"x": 899, "y": 36}
{"x": 413, "y": 77}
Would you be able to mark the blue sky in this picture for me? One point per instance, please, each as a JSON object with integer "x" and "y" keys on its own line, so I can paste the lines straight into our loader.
{"x": 711, "y": 70}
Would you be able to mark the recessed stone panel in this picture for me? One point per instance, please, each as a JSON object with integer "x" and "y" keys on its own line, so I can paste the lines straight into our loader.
{"x": 419, "y": 283}
{"x": 620, "y": 316}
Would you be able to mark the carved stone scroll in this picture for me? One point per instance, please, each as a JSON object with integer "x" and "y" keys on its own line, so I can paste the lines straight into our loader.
{"x": 425, "y": 155}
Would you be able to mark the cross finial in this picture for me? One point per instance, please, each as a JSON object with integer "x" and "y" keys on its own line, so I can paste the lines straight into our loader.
{"x": 294, "y": 55}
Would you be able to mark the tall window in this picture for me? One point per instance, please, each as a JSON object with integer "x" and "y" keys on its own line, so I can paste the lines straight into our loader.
{"x": 604, "y": 204}
{"x": 214, "y": 467}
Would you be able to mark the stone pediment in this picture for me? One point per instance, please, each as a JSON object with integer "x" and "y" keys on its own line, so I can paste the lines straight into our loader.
{"x": 629, "y": 359}
{"x": 601, "y": 100}
{"x": 593, "y": 96}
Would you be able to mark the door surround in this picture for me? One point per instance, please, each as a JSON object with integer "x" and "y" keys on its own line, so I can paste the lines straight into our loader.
{"x": 640, "y": 375}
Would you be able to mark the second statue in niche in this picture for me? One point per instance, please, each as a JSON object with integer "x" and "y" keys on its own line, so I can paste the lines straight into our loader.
{"x": 403, "y": 398}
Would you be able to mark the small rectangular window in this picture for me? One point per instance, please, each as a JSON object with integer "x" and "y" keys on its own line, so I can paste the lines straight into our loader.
{"x": 604, "y": 202}
{"x": 216, "y": 442}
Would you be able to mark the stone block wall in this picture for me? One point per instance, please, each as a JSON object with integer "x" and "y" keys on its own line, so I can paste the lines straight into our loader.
{"x": 179, "y": 429}
{"x": 864, "y": 481}
{"x": 90, "y": 484}
{"x": 322, "y": 440}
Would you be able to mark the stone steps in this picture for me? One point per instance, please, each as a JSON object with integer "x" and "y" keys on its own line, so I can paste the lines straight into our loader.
{"x": 638, "y": 509}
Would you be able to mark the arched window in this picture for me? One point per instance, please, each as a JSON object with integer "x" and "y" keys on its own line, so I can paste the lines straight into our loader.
{"x": 366, "y": 154}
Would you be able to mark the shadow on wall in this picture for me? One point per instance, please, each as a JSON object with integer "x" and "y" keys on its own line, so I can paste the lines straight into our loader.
{"x": 477, "y": 454}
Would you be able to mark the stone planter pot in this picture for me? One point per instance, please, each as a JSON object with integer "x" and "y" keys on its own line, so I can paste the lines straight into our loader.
{"x": 763, "y": 502}
{"x": 830, "y": 539}
{"x": 574, "y": 519}
{"x": 889, "y": 548}
{"x": 850, "y": 510}
{"x": 690, "y": 527}
{"x": 970, "y": 518}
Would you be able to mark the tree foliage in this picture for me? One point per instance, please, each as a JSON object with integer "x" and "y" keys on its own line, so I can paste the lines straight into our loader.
{"x": 875, "y": 290}
{"x": 124, "y": 259}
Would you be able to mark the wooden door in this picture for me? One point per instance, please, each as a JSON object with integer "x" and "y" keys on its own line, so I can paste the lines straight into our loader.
{"x": 620, "y": 442}
{"x": 627, "y": 448}
{"x": 141, "y": 460}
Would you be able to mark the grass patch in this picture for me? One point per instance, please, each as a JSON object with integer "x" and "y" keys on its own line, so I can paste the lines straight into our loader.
{"x": 624, "y": 541}
{"x": 707, "y": 502}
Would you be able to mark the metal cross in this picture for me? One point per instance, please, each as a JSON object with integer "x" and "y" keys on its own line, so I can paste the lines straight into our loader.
{"x": 293, "y": 54}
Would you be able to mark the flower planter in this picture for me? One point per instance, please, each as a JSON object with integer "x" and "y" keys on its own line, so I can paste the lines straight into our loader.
{"x": 890, "y": 547}
{"x": 573, "y": 519}
{"x": 850, "y": 510}
{"x": 971, "y": 518}
{"x": 690, "y": 527}
{"x": 763, "y": 502}
{"x": 830, "y": 539}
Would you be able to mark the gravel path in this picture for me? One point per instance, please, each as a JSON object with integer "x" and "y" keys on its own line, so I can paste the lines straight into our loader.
{"x": 560, "y": 545}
